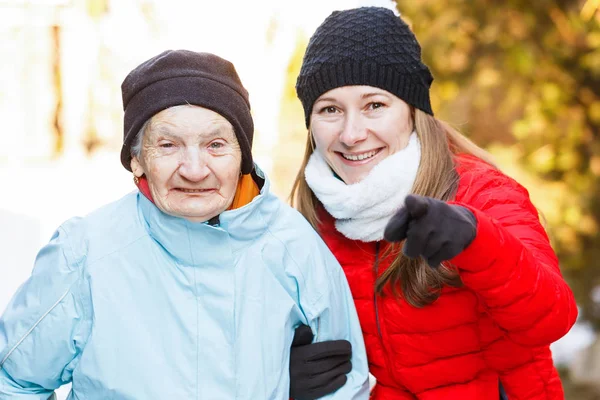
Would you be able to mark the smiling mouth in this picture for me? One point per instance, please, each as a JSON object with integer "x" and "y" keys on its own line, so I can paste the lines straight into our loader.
{"x": 360, "y": 156}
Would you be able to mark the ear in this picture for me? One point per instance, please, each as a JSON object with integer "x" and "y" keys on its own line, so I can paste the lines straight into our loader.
{"x": 136, "y": 167}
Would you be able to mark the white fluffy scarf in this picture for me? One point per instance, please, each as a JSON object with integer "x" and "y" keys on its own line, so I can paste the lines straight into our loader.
{"x": 363, "y": 209}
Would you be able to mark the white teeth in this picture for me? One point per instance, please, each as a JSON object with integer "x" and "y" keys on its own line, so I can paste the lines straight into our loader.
{"x": 359, "y": 157}
{"x": 192, "y": 190}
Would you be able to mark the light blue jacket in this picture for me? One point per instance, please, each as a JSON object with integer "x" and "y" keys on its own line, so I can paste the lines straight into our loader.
{"x": 131, "y": 303}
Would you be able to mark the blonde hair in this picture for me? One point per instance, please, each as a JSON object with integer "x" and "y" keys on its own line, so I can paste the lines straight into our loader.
{"x": 436, "y": 177}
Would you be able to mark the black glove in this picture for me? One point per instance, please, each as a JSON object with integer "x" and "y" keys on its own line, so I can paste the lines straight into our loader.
{"x": 433, "y": 229}
{"x": 317, "y": 369}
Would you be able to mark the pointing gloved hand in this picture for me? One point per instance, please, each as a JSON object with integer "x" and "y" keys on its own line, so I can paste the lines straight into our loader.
{"x": 317, "y": 369}
{"x": 433, "y": 229}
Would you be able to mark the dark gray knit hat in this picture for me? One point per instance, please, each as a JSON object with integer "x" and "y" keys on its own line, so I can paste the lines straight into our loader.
{"x": 364, "y": 46}
{"x": 178, "y": 77}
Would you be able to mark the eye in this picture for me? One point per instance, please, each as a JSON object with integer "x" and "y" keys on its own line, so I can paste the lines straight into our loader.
{"x": 216, "y": 145}
{"x": 375, "y": 105}
{"x": 328, "y": 110}
{"x": 166, "y": 145}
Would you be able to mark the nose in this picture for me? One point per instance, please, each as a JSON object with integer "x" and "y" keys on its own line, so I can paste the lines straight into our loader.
{"x": 353, "y": 131}
{"x": 194, "y": 165}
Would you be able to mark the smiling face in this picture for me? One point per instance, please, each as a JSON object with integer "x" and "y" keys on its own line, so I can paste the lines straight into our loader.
{"x": 191, "y": 158}
{"x": 355, "y": 127}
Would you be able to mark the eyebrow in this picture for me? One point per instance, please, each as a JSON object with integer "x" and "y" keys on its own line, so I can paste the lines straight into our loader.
{"x": 362, "y": 96}
{"x": 164, "y": 130}
{"x": 325, "y": 99}
{"x": 372, "y": 94}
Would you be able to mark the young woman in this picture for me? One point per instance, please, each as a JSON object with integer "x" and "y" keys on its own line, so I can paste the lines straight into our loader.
{"x": 474, "y": 296}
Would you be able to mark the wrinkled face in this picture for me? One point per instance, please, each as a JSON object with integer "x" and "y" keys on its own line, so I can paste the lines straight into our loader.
{"x": 191, "y": 158}
{"x": 355, "y": 127}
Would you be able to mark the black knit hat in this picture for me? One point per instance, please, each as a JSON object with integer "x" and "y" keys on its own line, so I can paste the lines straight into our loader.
{"x": 178, "y": 77}
{"x": 364, "y": 46}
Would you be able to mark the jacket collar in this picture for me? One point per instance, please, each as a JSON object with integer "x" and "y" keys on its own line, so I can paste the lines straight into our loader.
{"x": 197, "y": 243}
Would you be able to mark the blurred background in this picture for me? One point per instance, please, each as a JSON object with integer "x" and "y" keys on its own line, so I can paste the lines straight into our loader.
{"x": 520, "y": 78}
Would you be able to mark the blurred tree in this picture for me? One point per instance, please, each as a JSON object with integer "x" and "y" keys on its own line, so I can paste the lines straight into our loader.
{"x": 57, "y": 86}
{"x": 97, "y": 8}
{"x": 292, "y": 130}
{"x": 523, "y": 79}
{"x": 96, "y": 11}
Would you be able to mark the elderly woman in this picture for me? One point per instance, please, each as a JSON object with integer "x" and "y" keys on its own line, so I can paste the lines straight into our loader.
{"x": 191, "y": 287}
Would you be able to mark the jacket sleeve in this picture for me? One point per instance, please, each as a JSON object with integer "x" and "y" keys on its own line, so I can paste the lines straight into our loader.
{"x": 332, "y": 316}
{"x": 512, "y": 267}
{"x": 44, "y": 328}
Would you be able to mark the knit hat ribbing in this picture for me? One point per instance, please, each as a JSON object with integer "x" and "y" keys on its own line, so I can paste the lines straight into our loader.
{"x": 179, "y": 77}
{"x": 364, "y": 46}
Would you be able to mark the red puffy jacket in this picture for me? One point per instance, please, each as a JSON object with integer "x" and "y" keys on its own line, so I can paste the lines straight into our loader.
{"x": 497, "y": 327}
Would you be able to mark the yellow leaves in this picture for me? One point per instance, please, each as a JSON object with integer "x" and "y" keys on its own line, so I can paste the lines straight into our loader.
{"x": 570, "y": 226}
{"x": 293, "y": 69}
{"x": 589, "y": 9}
{"x": 520, "y": 129}
{"x": 572, "y": 215}
{"x": 588, "y": 225}
{"x": 586, "y": 95}
{"x": 533, "y": 124}
{"x": 489, "y": 34}
{"x": 447, "y": 90}
{"x": 595, "y": 165}
{"x": 512, "y": 99}
{"x": 551, "y": 94}
{"x": 591, "y": 60}
{"x": 468, "y": 26}
{"x": 545, "y": 195}
{"x": 97, "y": 8}
{"x": 562, "y": 25}
{"x": 593, "y": 39}
{"x": 522, "y": 59}
{"x": 542, "y": 160}
{"x": 558, "y": 204}
{"x": 457, "y": 60}
{"x": 594, "y": 111}
{"x": 488, "y": 77}
{"x": 567, "y": 160}
{"x": 533, "y": 70}
{"x": 568, "y": 238}
{"x": 517, "y": 28}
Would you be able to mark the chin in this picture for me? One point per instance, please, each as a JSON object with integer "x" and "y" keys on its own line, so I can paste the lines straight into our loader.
{"x": 192, "y": 213}
{"x": 196, "y": 215}
{"x": 198, "y": 209}
{"x": 351, "y": 179}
